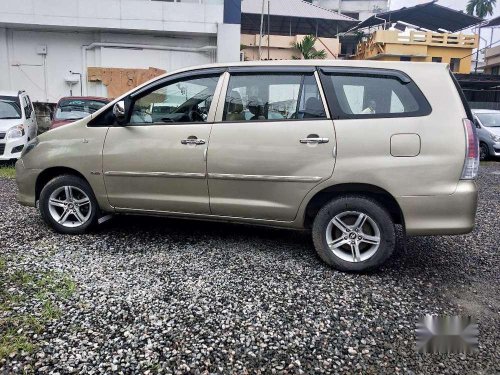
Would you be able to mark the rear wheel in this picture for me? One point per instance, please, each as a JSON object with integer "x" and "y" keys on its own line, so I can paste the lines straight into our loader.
{"x": 68, "y": 205}
{"x": 354, "y": 233}
{"x": 484, "y": 152}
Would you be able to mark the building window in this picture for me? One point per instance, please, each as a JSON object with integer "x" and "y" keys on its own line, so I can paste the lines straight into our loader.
{"x": 437, "y": 59}
{"x": 495, "y": 70}
{"x": 455, "y": 65}
{"x": 405, "y": 58}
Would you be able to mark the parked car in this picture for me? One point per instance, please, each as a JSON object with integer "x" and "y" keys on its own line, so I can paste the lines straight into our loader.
{"x": 361, "y": 152}
{"x": 72, "y": 108}
{"x": 17, "y": 123}
{"x": 488, "y": 130}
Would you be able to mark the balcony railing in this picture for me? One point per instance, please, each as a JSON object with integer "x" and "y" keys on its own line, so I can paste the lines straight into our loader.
{"x": 375, "y": 43}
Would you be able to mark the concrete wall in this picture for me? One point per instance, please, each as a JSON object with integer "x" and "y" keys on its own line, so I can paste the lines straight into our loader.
{"x": 365, "y": 8}
{"x": 43, "y": 76}
{"x": 492, "y": 59}
{"x": 281, "y": 47}
{"x": 196, "y": 16}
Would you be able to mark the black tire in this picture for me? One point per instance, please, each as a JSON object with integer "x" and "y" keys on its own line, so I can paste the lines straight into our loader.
{"x": 74, "y": 181}
{"x": 359, "y": 204}
{"x": 484, "y": 152}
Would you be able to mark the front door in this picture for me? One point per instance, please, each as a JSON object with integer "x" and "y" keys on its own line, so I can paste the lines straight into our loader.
{"x": 274, "y": 142}
{"x": 157, "y": 162}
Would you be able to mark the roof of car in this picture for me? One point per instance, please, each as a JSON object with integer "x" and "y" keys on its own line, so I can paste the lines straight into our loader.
{"x": 9, "y": 93}
{"x": 485, "y": 111}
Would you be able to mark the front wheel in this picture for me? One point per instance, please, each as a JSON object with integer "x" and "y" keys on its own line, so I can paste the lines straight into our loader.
{"x": 68, "y": 205}
{"x": 484, "y": 152}
{"x": 354, "y": 233}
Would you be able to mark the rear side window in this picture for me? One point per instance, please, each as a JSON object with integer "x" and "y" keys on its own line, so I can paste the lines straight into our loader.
{"x": 272, "y": 97}
{"x": 372, "y": 95}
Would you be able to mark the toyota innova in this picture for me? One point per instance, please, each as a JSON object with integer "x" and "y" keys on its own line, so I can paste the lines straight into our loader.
{"x": 346, "y": 149}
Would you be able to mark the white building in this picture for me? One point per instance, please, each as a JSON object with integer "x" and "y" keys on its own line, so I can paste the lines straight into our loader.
{"x": 41, "y": 42}
{"x": 358, "y": 9}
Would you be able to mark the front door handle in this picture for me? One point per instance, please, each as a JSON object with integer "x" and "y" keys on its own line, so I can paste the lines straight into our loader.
{"x": 314, "y": 140}
{"x": 193, "y": 141}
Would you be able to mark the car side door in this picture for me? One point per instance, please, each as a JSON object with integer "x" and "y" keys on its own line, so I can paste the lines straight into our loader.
{"x": 29, "y": 113}
{"x": 272, "y": 142}
{"x": 156, "y": 161}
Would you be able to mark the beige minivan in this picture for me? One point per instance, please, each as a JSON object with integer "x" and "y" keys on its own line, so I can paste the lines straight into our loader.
{"x": 347, "y": 149}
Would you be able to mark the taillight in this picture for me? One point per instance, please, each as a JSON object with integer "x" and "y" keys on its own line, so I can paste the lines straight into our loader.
{"x": 471, "y": 164}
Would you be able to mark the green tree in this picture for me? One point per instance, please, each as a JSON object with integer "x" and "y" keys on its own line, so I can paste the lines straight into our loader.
{"x": 481, "y": 8}
{"x": 307, "y": 50}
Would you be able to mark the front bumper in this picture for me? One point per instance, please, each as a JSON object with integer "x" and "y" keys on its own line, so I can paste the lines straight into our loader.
{"x": 26, "y": 184}
{"x": 495, "y": 147}
{"x": 7, "y": 146}
{"x": 442, "y": 214}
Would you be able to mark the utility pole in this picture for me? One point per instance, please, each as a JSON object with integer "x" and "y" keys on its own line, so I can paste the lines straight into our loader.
{"x": 261, "y": 28}
{"x": 268, "y": 29}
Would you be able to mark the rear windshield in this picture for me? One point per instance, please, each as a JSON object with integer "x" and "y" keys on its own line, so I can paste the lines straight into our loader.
{"x": 74, "y": 109}
{"x": 490, "y": 120}
{"x": 10, "y": 107}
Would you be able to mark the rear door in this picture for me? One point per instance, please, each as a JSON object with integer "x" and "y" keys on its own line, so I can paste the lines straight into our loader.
{"x": 273, "y": 141}
{"x": 29, "y": 112}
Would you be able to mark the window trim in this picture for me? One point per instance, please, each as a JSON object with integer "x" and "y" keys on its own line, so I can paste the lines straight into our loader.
{"x": 153, "y": 86}
{"x": 335, "y": 108}
{"x": 273, "y": 70}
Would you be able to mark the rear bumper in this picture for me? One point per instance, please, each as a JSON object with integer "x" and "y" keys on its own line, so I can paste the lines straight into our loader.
{"x": 438, "y": 215}
{"x": 26, "y": 182}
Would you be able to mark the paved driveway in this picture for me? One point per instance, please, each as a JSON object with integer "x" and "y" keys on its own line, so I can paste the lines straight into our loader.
{"x": 191, "y": 297}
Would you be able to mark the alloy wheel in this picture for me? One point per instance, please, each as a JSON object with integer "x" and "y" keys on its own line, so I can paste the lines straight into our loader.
{"x": 70, "y": 206}
{"x": 353, "y": 236}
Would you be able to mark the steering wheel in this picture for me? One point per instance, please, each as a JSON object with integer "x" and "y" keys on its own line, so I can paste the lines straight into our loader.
{"x": 195, "y": 115}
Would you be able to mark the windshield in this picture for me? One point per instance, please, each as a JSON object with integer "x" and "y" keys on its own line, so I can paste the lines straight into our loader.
{"x": 74, "y": 109}
{"x": 490, "y": 120}
{"x": 9, "y": 108}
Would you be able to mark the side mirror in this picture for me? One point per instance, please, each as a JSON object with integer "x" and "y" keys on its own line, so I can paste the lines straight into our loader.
{"x": 119, "y": 111}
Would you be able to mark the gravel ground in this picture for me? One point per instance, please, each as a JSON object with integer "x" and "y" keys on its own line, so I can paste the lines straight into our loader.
{"x": 155, "y": 295}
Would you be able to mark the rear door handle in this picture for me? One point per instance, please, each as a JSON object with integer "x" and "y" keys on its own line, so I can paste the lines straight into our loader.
{"x": 193, "y": 141}
{"x": 314, "y": 140}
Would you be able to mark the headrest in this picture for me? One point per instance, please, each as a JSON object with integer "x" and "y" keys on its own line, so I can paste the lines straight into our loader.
{"x": 234, "y": 102}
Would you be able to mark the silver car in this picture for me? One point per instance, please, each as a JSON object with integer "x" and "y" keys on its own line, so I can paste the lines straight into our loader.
{"x": 488, "y": 130}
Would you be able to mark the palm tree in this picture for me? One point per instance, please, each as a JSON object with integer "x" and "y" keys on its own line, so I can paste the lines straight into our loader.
{"x": 307, "y": 50}
{"x": 481, "y": 8}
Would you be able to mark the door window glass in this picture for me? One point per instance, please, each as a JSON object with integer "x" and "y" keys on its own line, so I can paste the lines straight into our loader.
{"x": 272, "y": 97}
{"x": 184, "y": 101}
{"x": 372, "y": 96}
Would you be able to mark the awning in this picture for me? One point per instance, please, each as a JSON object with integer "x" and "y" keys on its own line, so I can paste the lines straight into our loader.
{"x": 293, "y": 17}
{"x": 494, "y": 22}
{"x": 430, "y": 16}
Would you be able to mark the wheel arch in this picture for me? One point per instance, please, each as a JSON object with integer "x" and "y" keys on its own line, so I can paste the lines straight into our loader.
{"x": 48, "y": 174}
{"x": 382, "y": 196}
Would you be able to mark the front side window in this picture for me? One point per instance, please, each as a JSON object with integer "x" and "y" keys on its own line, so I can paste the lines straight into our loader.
{"x": 185, "y": 101}
{"x": 358, "y": 96}
{"x": 272, "y": 97}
